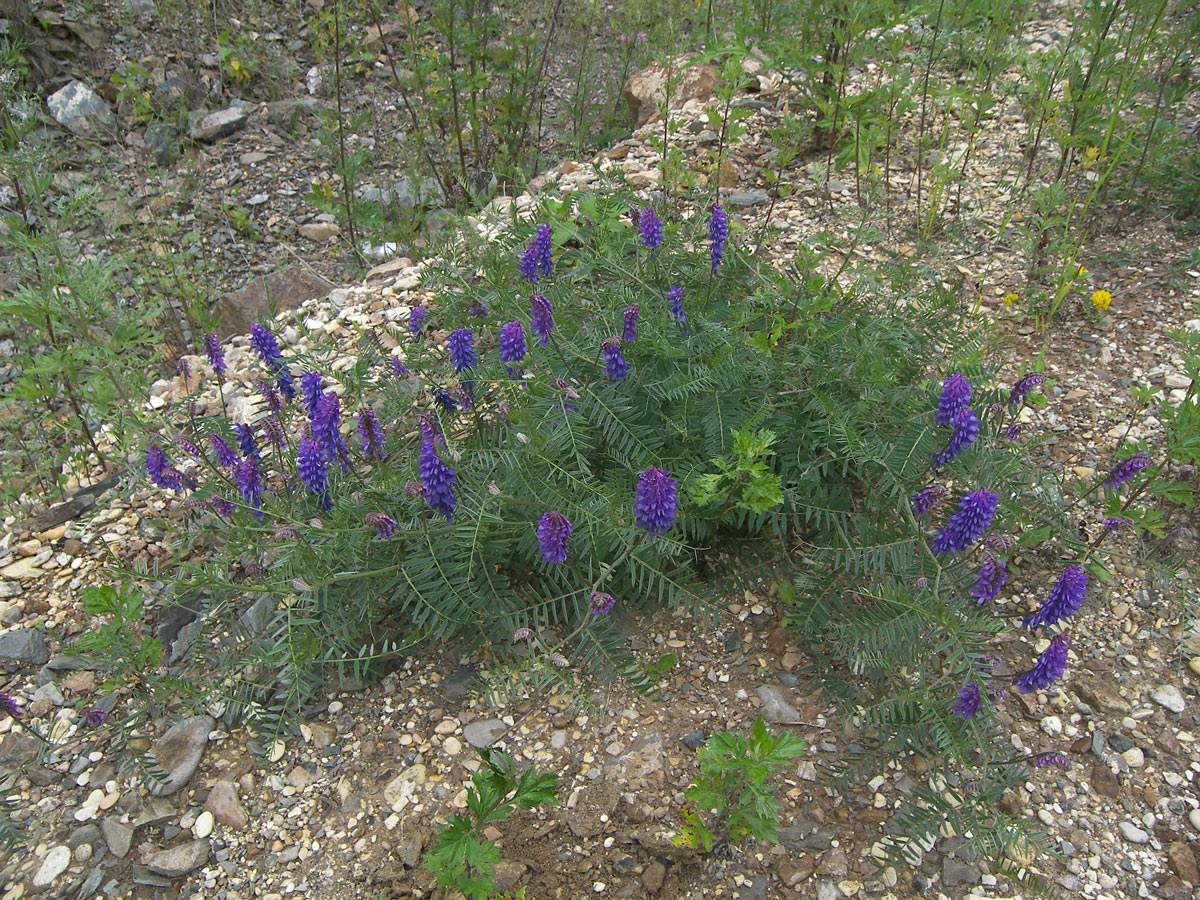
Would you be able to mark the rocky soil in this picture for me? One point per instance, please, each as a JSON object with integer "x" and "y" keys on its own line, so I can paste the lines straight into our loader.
{"x": 345, "y": 808}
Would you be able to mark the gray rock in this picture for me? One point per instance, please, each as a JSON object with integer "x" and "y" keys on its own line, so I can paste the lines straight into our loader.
{"x": 118, "y": 837}
{"x": 956, "y": 873}
{"x": 776, "y": 707}
{"x": 319, "y": 81}
{"x": 175, "y": 862}
{"x": 49, "y": 691}
{"x": 25, "y": 645}
{"x": 1133, "y": 834}
{"x": 827, "y": 890}
{"x": 1119, "y": 742}
{"x": 9, "y": 589}
{"x": 484, "y": 732}
{"x": 219, "y": 124}
{"x": 17, "y": 750}
{"x": 82, "y": 110}
{"x": 256, "y": 618}
{"x": 86, "y": 834}
{"x": 458, "y": 685}
{"x": 282, "y": 290}
{"x": 225, "y": 806}
{"x": 695, "y": 740}
{"x": 91, "y": 884}
{"x": 162, "y": 140}
{"x": 142, "y": 8}
{"x": 53, "y": 865}
{"x": 754, "y": 197}
{"x": 177, "y": 753}
{"x": 1169, "y": 697}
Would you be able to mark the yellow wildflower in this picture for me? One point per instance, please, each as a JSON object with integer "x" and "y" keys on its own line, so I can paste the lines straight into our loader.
{"x": 1101, "y": 300}
{"x": 1010, "y": 298}
{"x": 1090, "y": 155}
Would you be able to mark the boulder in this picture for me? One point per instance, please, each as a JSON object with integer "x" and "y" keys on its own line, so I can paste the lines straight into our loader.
{"x": 218, "y": 124}
{"x": 263, "y": 296}
{"x": 25, "y": 645}
{"x": 178, "y": 752}
{"x": 81, "y": 110}
{"x": 645, "y": 90}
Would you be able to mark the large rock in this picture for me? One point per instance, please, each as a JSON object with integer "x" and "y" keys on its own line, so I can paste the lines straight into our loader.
{"x": 776, "y": 706}
{"x": 118, "y": 837}
{"x": 645, "y": 90}
{"x": 175, "y": 862}
{"x": 53, "y": 865}
{"x": 223, "y": 803}
{"x": 25, "y": 645}
{"x": 178, "y": 752}
{"x": 279, "y": 291}
{"x": 218, "y": 124}
{"x": 82, "y": 111}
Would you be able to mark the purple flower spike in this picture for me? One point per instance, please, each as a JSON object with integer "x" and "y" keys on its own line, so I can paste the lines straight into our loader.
{"x": 222, "y": 451}
{"x": 655, "y": 500}
{"x": 370, "y": 436}
{"x": 94, "y": 717}
{"x": 675, "y": 301}
{"x": 310, "y": 391}
{"x": 385, "y": 526}
{"x": 216, "y": 357}
{"x": 966, "y": 433}
{"x": 536, "y": 261}
{"x": 267, "y": 348}
{"x": 631, "y": 322}
{"x": 461, "y": 347}
{"x": 161, "y": 472}
{"x": 541, "y": 318}
{"x": 437, "y": 478}
{"x": 1064, "y": 600}
{"x": 650, "y": 229}
{"x": 326, "y": 429}
{"x": 1021, "y": 389}
{"x": 1051, "y": 758}
{"x": 992, "y": 576}
{"x": 399, "y": 369}
{"x": 1127, "y": 468}
{"x": 246, "y": 478}
{"x": 926, "y": 499}
{"x": 512, "y": 345}
{"x": 314, "y": 472}
{"x": 614, "y": 362}
{"x": 718, "y": 234}
{"x": 553, "y": 531}
{"x": 1048, "y": 669}
{"x": 223, "y": 507}
{"x": 600, "y": 604}
{"x": 1116, "y": 524}
{"x": 970, "y": 701}
{"x": 416, "y": 322}
{"x": 967, "y": 525}
{"x": 245, "y": 439}
{"x": 9, "y": 705}
{"x": 956, "y": 394}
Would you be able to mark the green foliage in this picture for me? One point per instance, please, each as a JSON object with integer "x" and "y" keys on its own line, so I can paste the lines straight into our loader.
{"x": 746, "y": 480}
{"x": 12, "y": 835}
{"x": 462, "y": 858}
{"x": 117, "y": 647}
{"x": 732, "y": 789}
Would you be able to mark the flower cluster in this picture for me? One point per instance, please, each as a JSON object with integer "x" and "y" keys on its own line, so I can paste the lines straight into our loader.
{"x": 614, "y": 363}
{"x": 992, "y": 576}
{"x": 536, "y": 261}
{"x": 512, "y": 345}
{"x": 718, "y": 234}
{"x": 416, "y": 322}
{"x": 1127, "y": 468}
{"x": 216, "y": 357}
{"x": 631, "y": 322}
{"x": 675, "y": 301}
{"x": 1064, "y": 600}
{"x": 314, "y": 472}
{"x": 967, "y": 525}
{"x": 370, "y": 435}
{"x": 1049, "y": 667}
{"x": 600, "y": 603}
{"x": 954, "y": 399}
{"x": 553, "y": 531}
{"x": 655, "y": 500}
{"x": 650, "y": 229}
{"x": 926, "y": 499}
{"x": 264, "y": 344}
{"x": 541, "y": 318}
{"x": 437, "y": 479}
{"x": 384, "y": 525}
{"x": 1021, "y": 389}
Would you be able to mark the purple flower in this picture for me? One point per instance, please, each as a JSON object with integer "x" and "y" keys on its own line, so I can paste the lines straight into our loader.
{"x": 216, "y": 357}
{"x": 1048, "y": 669}
{"x": 370, "y": 436}
{"x": 437, "y": 478}
{"x": 1051, "y": 758}
{"x": 9, "y": 705}
{"x": 478, "y": 310}
{"x": 222, "y": 451}
{"x": 223, "y": 507}
{"x": 310, "y": 391}
{"x": 414, "y": 489}
{"x": 718, "y": 234}
{"x": 1116, "y": 523}
{"x": 1064, "y": 600}
{"x": 553, "y": 531}
{"x": 558, "y": 660}
{"x": 265, "y": 345}
{"x": 326, "y": 429}
{"x": 956, "y": 394}
{"x": 967, "y": 525}
{"x": 274, "y": 433}
{"x": 399, "y": 369}
{"x": 535, "y": 261}
{"x": 601, "y": 603}
{"x": 541, "y": 318}
{"x": 429, "y": 427}
{"x": 1021, "y": 389}
{"x": 385, "y": 526}
{"x": 190, "y": 448}
{"x": 521, "y": 634}
{"x": 512, "y": 345}
{"x": 655, "y": 500}
{"x": 614, "y": 362}
{"x": 650, "y": 229}
{"x": 161, "y": 472}
{"x": 245, "y": 439}
{"x": 966, "y": 433}
{"x": 675, "y": 301}
{"x": 970, "y": 701}
{"x": 245, "y": 476}
{"x": 416, "y": 322}
{"x": 444, "y": 400}
{"x": 1127, "y": 468}
{"x": 270, "y": 398}
{"x": 992, "y": 576}
{"x": 926, "y": 499}
{"x": 1012, "y": 433}
{"x": 631, "y": 323}
{"x": 461, "y": 347}
{"x": 94, "y": 717}
{"x": 314, "y": 472}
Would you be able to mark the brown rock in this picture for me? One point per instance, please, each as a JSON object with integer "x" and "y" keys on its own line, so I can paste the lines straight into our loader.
{"x": 320, "y": 231}
{"x": 654, "y": 876}
{"x": 645, "y": 90}
{"x": 1104, "y": 782}
{"x": 83, "y": 682}
{"x": 175, "y": 862}
{"x": 1183, "y": 862}
{"x": 508, "y": 874}
{"x": 282, "y": 290}
{"x": 72, "y": 546}
{"x": 223, "y": 803}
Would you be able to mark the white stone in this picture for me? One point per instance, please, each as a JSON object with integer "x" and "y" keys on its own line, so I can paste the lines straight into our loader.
{"x": 53, "y": 865}
{"x": 1133, "y": 834}
{"x": 204, "y": 825}
{"x": 1052, "y": 725}
{"x": 1170, "y": 697}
